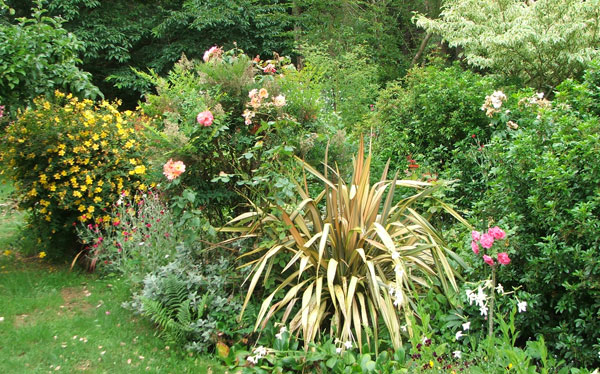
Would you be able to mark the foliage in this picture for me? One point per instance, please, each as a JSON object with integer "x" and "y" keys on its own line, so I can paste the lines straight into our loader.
{"x": 348, "y": 81}
{"x": 543, "y": 182}
{"x": 70, "y": 160}
{"x": 137, "y": 237}
{"x": 194, "y": 300}
{"x": 430, "y": 117}
{"x": 261, "y": 117}
{"x": 540, "y": 43}
{"x": 38, "y": 56}
{"x": 360, "y": 262}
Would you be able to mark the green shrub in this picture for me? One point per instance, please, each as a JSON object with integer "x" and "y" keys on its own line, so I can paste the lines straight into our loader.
{"x": 432, "y": 112}
{"x": 194, "y": 300}
{"x": 70, "y": 160}
{"x": 264, "y": 112}
{"x": 38, "y": 56}
{"x": 543, "y": 183}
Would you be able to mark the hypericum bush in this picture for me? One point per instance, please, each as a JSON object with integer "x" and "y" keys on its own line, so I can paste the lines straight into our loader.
{"x": 136, "y": 238}
{"x": 72, "y": 159}
{"x": 355, "y": 264}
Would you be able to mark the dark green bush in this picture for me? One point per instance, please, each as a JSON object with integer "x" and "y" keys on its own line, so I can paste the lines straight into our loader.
{"x": 544, "y": 182}
{"x": 432, "y": 112}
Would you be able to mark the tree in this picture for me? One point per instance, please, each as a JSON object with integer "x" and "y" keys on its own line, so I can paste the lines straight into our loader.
{"x": 38, "y": 56}
{"x": 539, "y": 43}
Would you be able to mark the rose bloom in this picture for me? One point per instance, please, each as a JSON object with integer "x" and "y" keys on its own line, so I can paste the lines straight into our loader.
{"x": 213, "y": 53}
{"x": 497, "y": 232}
{"x": 173, "y": 169}
{"x": 263, "y": 93}
{"x": 475, "y": 247}
{"x": 252, "y": 93}
{"x": 487, "y": 241}
{"x": 503, "y": 258}
{"x": 205, "y": 118}
{"x": 488, "y": 260}
{"x": 279, "y": 101}
{"x": 475, "y": 235}
{"x": 270, "y": 68}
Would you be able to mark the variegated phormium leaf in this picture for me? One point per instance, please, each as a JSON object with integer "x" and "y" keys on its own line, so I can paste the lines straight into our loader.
{"x": 356, "y": 265}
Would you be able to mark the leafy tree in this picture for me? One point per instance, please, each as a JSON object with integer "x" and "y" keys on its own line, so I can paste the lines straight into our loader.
{"x": 38, "y": 56}
{"x": 539, "y": 43}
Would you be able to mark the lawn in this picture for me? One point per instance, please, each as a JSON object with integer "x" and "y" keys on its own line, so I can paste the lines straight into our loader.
{"x": 56, "y": 320}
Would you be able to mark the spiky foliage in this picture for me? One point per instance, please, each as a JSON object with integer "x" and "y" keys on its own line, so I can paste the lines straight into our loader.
{"x": 354, "y": 265}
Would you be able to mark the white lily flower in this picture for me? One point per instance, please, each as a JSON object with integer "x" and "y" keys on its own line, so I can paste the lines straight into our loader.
{"x": 522, "y": 306}
{"x": 466, "y": 326}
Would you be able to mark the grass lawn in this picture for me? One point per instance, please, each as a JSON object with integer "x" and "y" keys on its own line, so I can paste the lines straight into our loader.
{"x": 54, "y": 320}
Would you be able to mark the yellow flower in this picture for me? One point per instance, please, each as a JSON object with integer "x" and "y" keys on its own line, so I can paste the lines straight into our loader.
{"x": 42, "y": 254}
{"x": 81, "y": 208}
{"x": 91, "y": 209}
{"x": 431, "y": 363}
{"x": 7, "y": 252}
{"x": 140, "y": 169}
{"x": 77, "y": 194}
{"x": 510, "y": 365}
{"x": 97, "y": 199}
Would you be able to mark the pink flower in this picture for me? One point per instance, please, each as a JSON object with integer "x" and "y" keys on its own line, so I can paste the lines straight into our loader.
{"x": 173, "y": 169}
{"x": 497, "y": 232}
{"x": 475, "y": 235}
{"x": 270, "y": 68}
{"x": 205, "y": 118}
{"x": 212, "y": 54}
{"x": 279, "y": 101}
{"x": 488, "y": 260}
{"x": 475, "y": 247}
{"x": 487, "y": 241}
{"x": 503, "y": 258}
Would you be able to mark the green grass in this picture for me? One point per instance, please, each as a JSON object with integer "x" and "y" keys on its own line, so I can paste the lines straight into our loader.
{"x": 54, "y": 318}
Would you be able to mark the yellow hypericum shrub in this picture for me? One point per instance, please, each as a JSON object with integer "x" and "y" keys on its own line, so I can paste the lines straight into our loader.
{"x": 72, "y": 159}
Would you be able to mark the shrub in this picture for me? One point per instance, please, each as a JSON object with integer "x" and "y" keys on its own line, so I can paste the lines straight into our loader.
{"x": 136, "y": 238}
{"x": 543, "y": 182}
{"x": 428, "y": 115}
{"x": 38, "y": 56}
{"x": 355, "y": 264}
{"x": 194, "y": 299}
{"x": 70, "y": 160}
{"x": 262, "y": 113}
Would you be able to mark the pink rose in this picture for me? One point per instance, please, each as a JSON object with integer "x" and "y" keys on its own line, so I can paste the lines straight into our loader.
{"x": 488, "y": 260}
{"x": 173, "y": 169}
{"x": 475, "y": 235}
{"x": 205, "y": 118}
{"x": 497, "y": 232}
{"x": 487, "y": 241}
{"x": 503, "y": 258}
{"x": 475, "y": 247}
{"x": 212, "y": 53}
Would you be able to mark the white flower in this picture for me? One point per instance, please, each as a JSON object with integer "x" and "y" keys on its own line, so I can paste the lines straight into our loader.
{"x": 348, "y": 344}
{"x": 120, "y": 201}
{"x": 457, "y": 354}
{"x": 466, "y": 326}
{"x": 522, "y": 306}
{"x": 260, "y": 352}
{"x": 253, "y": 93}
{"x": 424, "y": 339}
{"x": 470, "y": 296}
{"x": 481, "y": 297}
{"x": 484, "y": 310}
{"x": 252, "y": 359}
{"x": 1, "y": 319}
{"x": 281, "y": 331}
{"x": 540, "y": 95}
{"x": 279, "y": 101}
{"x": 338, "y": 350}
{"x": 395, "y": 255}
{"x": 403, "y": 328}
{"x": 500, "y": 289}
{"x": 458, "y": 335}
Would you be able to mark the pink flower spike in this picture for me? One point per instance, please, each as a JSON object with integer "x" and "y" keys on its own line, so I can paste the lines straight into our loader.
{"x": 503, "y": 258}
{"x": 475, "y": 235}
{"x": 487, "y": 241}
{"x": 488, "y": 260}
{"x": 475, "y": 247}
{"x": 205, "y": 118}
{"x": 497, "y": 232}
